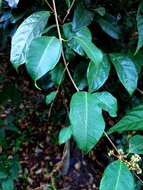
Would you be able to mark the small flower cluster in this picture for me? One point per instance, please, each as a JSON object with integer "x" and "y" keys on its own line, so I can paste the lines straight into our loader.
{"x": 111, "y": 153}
{"x": 133, "y": 164}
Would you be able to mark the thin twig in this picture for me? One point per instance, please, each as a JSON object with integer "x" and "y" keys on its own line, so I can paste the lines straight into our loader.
{"x": 46, "y": 1}
{"x": 57, "y": 91}
{"x": 138, "y": 178}
{"x": 61, "y": 40}
{"x": 49, "y": 5}
{"x": 52, "y": 104}
{"x": 68, "y": 11}
{"x": 140, "y": 91}
{"x": 111, "y": 142}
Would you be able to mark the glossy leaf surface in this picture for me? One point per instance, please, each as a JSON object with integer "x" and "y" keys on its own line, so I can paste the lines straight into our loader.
{"x": 93, "y": 53}
{"x": 107, "y": 102}
{"x": 132, "y": 121}
{"x": 82, "y": 16}
{"x": 86, "y": 119}
{"x": 117, "y": 176}
{"x": 109, "y": 28}
{"x": 97, "y": 77}
{"x": 65, "y": 135}
{"x": 126, "y": 71}
{"x": 50, "y": 97}
{"x": 12, "y": 3}
{"x": 136, "y": 144}
{"x": 26, "y": 32}
{"x": 140, "y": 27}
{"x": 43, "y": 55}
{"x": 84, "y": 32}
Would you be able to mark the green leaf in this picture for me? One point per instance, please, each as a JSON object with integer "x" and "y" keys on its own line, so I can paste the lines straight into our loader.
{"x": 84, "y": 32}
{"x": 3, "y": 175}
{"x": 80, "y": 75}
{"x": 57, "y": 74}
{"x": 132, "y": 121}
{"x": 126, "y": 71}
{"x": 97, "y": 77}
{"x": 109, "y": 28}
{"x": 7, "y": 184}
{"x": 93, "y": 53}
{"x": 101, "y": 11}
{"x": 117, "y": 177}
{"x": 86, "y": 119}
{"x": 15, "y": 168}
{"x": 43, "y": 55}
{"x": 140, "y": 27}
{"x": 26, "y": 32}
{"x": 12, "y": 3}
{"x": 65, "y": 135}
{"x": 140, "y": 32}
{"x": 50, "y": 97}
{"x": 82, "y": 16}
{"x": 68, "y": 2}
{"x": 138, "y": 59}
{"x": 136, "y": 144}
{"x": 107, "y": 102}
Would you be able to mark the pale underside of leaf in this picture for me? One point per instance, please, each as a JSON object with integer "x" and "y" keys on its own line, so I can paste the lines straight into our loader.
{"x": 27, "y": 31}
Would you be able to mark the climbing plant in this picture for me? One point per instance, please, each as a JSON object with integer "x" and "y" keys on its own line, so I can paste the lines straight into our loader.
{"x": 97, "y": 46}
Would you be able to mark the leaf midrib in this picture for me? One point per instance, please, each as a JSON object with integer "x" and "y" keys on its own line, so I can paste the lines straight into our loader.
{"x": 118, "y": 177}
{"x": 86, "y": 118}
{"x": 44, "y": 52}
{"x": 33, "y": 28}
{"x": 82, "y": 41}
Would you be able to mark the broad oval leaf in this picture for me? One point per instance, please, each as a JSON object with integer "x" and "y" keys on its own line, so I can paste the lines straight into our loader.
{"x": 84, "y": 32}
{"x": 42, "y": 56}
{"x": 12, "y": 3}
{"x": 107, "y": 102}
{"x": 80, "y": 75}
{"x": 110, "y": 28}
{"x": 82, "y": 16}
{"x": 140, "y": 32}
{"x": 140, "y": 27}
{"x": 126, "y": 71}
{"x": 136, "y": 144}
{"x": 65, "y": 135}
{"x": 26, "y": 32}
{"x": 132, "y": 121}
{"x": 93, "y": 53}
{"x": 57, "y": 74}
{"x": 97, "y": 77}
{"x": 86, "y": 119}
{"x": 50, "y": 97}
{"x": 117, "y": 176}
